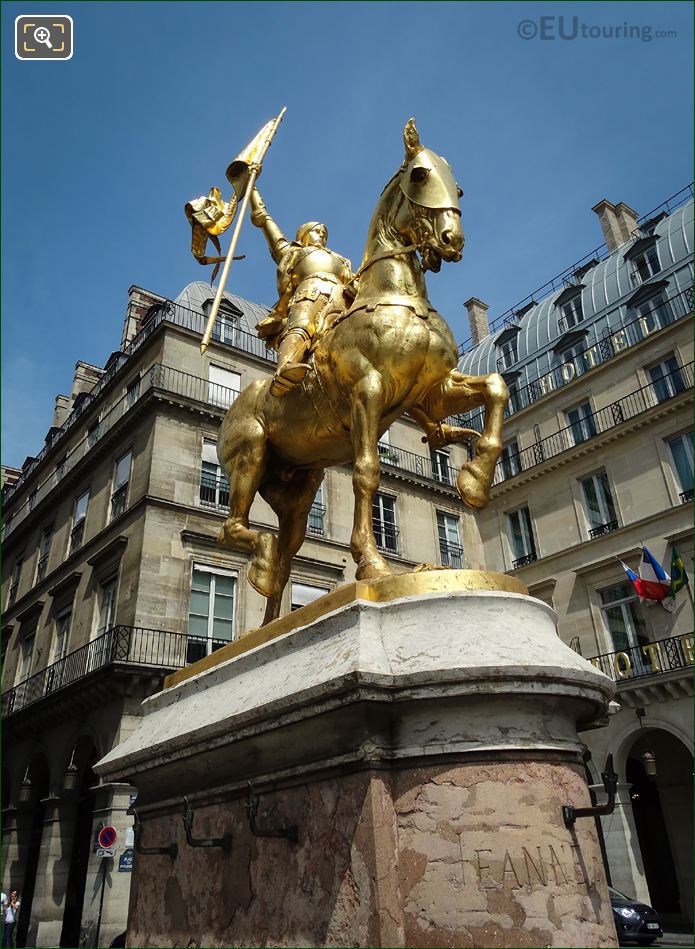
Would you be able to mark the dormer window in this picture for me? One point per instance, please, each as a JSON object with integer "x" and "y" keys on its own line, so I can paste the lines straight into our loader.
{"x": 643, "y": 260}
{"x": 506, "y": 345}
{"x": 570, "y": 305}
{"x": 226, "y": 326}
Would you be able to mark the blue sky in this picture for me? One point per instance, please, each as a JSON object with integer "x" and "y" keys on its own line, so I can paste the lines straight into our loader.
{"x": 101, "y": 153}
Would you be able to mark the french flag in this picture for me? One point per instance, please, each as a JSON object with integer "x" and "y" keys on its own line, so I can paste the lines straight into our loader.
{"x": 654, "y": 583}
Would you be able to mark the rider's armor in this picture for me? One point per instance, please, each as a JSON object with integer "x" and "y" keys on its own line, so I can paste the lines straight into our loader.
{"x": 312, "y": 286}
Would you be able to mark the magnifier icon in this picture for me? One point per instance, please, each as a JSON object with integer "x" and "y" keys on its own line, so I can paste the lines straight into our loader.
{"x": 43, "y": 35}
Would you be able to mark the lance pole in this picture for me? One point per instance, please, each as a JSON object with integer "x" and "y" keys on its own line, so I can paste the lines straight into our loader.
{"x": 253, "y": 174}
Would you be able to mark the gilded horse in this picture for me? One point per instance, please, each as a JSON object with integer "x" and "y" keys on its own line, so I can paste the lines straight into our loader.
{"x": 392, "y": 353}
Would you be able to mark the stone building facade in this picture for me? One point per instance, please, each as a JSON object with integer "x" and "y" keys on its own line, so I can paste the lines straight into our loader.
{"x": 598, "y": 461}
{"x": 113, "y": 578}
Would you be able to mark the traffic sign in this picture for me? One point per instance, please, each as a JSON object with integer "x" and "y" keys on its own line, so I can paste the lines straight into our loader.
{"x": 105, "y": 852}
{"x": 107, "y": 839}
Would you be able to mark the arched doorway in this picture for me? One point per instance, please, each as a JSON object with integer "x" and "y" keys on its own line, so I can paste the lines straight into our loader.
{"x": 662, "y": 804}
{"x": 79, "y": 772}
{"x": 32, "y": 794}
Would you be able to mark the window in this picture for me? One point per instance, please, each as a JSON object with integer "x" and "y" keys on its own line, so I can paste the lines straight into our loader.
{"x": 655, "y": 313}
{"x": 226, "y": 327}
{"x": 44, "y": 552}
{"x": 305, "y": 593}
{"x": 54, "y": 676}
{"x": 514, "y": 403}
{"x": 666, "y": 379}
{"x": 572, "y": 311}
{"x": 132, "y": 393}
{"x": 581, "y": 423}
{"x": 598, "y": 504}
{"x": 121, "y": 479}
{"x": 521, "y": 537}
{"x": 441, "y": 467}
{"x": 60, "y": 467}
{"x": 509, "y": 460}
{"x": 214, "y": 487}
{"x": 681, "y": 449}
{"x": 624, "y": 623}
{"x": 645, "y": 265}
{"x": 106, "y": 614}
{"x": 32, "y": 499}
{"x": 62, "y": 631}
{"x": 315, "y": 523}
{"x": 507, "y": 355}
{"x": 575, "y": 356}
{"x": 211, "y": 614}
{"x": 78, "y": 522}
{"x": 93, "y": 434}
{"x": 384, "y": 522}
{"x": 223, "y": 386}
{"x": 25, "y": 660}
{"x": 14, "y": 581}
{"x": 450, "y": 547}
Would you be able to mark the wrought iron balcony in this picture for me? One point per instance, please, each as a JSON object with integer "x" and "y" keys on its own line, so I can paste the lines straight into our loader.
{"x": 596, "y": 423}
{"x": 451, "y": 554}
{"x": 129, "y": 645}
{"x": 686, "y": 496}
{"x": 197, "y": 647}
{"x": 601, "y": 529}
{"x": 315, "y": 524}
{"x": 214, "y": 492}
{"x": 525, "y": 560}
{"x": 649, "y": 659}
{"x": 386, "y": 535}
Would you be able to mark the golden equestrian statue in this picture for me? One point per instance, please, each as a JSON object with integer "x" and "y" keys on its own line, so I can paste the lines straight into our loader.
{"x": 385, "y": 353}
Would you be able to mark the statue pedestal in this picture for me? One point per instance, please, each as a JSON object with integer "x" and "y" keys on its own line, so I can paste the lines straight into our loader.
{"x": 423, "y": 738}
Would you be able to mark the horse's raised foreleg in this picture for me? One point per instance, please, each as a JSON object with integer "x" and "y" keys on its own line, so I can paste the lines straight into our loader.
{"x": 458, "y": 393}
{"x": 244, "y": 452}
{"x": 367, "y": 406}
{"x": 291, "y": 501}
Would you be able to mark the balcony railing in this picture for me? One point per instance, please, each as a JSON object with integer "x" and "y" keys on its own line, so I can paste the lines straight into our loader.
{"x": 686, "y": 496}
{"x": 315, "y": 524}
{"x": 132, "y": 645}
{"x": 451, "y": 554}
{"x": 614, "y": 340}
{"x": 197, "y": 647}
{"x": 420, "y": 465}
{"x": 524, "y": 561}
{"x": 636, "y": 662}
{"x": 596, "y": 423}
{"x": 386, "y": 535}
{"x": 214, "y": 492}
{"x": 602, "y": 529}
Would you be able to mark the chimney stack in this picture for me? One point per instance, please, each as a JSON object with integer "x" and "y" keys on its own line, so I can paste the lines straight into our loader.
{"x": 618, "y": 221}
{"x": 477, "y": 319}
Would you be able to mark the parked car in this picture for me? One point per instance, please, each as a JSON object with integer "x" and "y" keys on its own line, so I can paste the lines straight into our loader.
{"x": 634, "y": 922}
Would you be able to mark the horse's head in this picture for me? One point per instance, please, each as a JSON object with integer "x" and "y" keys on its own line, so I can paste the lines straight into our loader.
{"x": 430, "y": 218}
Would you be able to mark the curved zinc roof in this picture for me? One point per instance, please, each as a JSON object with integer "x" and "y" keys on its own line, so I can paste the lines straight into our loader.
{"x": 195, "y": 295}
{"x": 606, "y": 285}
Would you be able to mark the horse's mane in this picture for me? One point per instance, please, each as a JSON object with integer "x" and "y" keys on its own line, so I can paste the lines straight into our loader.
{"x": 382, "y": 224}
